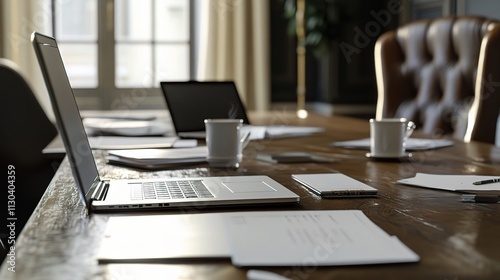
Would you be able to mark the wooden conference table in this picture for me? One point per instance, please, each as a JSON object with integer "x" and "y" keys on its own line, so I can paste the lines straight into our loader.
{"x": 454, "y": 240}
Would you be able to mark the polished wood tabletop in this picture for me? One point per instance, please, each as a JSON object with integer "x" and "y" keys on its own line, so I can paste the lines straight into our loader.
{"x": 454, "y": 240}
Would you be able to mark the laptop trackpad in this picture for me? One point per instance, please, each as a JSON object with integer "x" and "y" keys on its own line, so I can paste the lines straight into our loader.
{"x": 248, "y": 187}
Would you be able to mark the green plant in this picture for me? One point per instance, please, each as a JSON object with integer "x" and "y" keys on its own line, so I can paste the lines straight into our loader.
{"x": 321, "y": 22}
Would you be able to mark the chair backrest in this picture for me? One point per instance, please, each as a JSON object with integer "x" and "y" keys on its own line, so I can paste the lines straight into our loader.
{"x": 443, "y": 74}
{"x": 26, "y": 130}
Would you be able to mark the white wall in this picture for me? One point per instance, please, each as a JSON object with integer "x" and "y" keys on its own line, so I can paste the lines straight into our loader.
{"x": 487, "y": 8}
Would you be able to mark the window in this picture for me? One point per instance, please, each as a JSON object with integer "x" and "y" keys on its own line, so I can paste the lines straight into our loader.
{"x": 76, "y": 31}
{"x": 114, "y": 48}
{"x": 151, "y": 42}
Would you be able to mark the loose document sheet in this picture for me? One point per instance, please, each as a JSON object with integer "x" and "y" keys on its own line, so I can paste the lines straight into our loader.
{"x": 270, "y": 238}
{"x": 412, "y": 144}
{"x": 459, "y": 183}
{"x": 311, "y": 238}
{"x": 172, "y": 237}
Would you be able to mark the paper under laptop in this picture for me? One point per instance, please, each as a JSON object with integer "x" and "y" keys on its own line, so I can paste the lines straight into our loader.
{"x": 121, "y": 143}
{"x": 138, "y": 194}
{"x": 107, "y": 126}
{"x": 123, "y": 114}
{"x": 262, "y": 238}
{"x": 280, "y": 131}
{"x": 56, "y": 146}
{"x": 264, "y": 132}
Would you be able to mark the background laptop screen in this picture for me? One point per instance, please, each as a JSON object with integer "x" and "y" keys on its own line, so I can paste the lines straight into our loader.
{"x": 191, "y": 102}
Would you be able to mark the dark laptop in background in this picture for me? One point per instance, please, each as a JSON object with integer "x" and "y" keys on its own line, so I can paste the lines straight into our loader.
{"x": 131, "y": 194}
{"x": 189, "y": 103}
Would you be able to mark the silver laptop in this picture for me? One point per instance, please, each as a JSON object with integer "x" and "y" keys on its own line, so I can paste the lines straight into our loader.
{"x": 191, "y": 102}
{"x": 100, "y": 195}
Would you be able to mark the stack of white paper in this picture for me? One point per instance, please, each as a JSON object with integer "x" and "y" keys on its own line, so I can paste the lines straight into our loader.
{"x": 158, "y": 158}
{"x": 271, "y": 238}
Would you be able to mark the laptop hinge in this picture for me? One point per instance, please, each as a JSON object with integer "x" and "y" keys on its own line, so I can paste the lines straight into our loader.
{"x": 100, "y": 191}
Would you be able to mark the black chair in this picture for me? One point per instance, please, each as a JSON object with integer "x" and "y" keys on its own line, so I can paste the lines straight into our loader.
{"x": 26, "y": 130}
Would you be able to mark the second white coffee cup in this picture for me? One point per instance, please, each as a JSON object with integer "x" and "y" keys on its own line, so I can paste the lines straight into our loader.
{"x": 388, "y": 137}
{"x": 224, "y": 142}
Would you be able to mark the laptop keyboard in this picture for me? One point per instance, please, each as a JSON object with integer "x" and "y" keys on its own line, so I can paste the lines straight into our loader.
{"x": 170, "y": 190}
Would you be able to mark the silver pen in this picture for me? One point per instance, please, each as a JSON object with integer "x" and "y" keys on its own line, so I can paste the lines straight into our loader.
{"x": 489, "y": 181}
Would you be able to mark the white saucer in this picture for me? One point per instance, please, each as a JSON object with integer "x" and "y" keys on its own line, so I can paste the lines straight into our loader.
{"x": 406, "y": 156}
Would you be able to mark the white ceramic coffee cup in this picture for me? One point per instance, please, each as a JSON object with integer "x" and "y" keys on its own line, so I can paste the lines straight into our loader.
{"x": 224, "y": 142}
{"x": 388, "y": 137}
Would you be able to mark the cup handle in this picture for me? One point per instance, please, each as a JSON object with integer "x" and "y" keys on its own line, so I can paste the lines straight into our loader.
{"x": 245, "y": 139}
{"x": 410, "y": 127}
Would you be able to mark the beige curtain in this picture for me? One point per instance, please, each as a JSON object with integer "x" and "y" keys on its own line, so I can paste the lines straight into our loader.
{"x": 19, "y": 20}
{"x": 234, "y": 45}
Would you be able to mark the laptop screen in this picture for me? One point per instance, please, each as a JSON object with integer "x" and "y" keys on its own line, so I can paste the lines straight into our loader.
{"x": 69, "y": 122}
{"x": 190, "y": 103}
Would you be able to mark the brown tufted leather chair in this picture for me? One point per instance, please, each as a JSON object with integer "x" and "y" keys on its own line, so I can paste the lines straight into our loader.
{"x": 443, "y": 74}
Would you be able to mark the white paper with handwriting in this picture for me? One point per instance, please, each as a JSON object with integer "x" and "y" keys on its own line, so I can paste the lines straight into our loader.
{"x": 311, "y": 238}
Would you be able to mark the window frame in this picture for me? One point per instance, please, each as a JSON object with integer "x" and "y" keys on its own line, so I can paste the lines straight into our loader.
{"x": 106, "y": 96}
